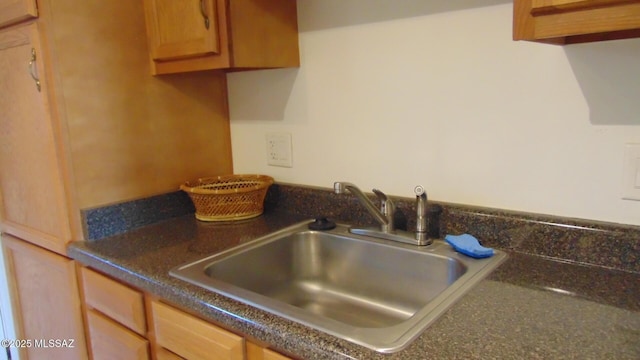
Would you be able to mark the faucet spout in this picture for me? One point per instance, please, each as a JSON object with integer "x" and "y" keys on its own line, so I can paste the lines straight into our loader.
{"x": 340, "y": 187}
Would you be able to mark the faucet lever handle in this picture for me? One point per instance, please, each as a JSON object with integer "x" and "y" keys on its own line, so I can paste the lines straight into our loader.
{"x": 387, "y": 207}
{"x": 380, "y": 195}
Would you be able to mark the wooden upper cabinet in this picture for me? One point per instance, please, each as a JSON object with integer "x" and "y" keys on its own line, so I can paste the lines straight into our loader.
{"x": 33, "y": 203}
{"x": 182, "y": 28}
{"x": 575, "y": 21}
{"x": 99, "y": 130}
{"x": 14, "y": 11}
{"x": 192, "y": 35}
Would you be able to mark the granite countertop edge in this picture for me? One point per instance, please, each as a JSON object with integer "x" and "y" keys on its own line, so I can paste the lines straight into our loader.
{"x": 143, "y": 257}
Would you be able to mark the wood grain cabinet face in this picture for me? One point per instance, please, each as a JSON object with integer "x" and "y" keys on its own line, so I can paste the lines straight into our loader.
{"x": 31, "y": 184}
{"x": 193, "y": 338}
{"x": 221, "y": 34}
{"x": 256, "y": 352}
{"x": 272, "y": 355}
{"x": 82, "y": 130}
{"x": 164, "y": 354}
{"x": 117, "y": 327}
{"x": 14, "y": 11}
{"x": 182, "y": 28}
{"x": 45, "y": 293}
{"x": 575, "y": 21}
{"x": 111, "y": 341}
{"x": 117, "y": 301}
{"x": 115, "y": 318}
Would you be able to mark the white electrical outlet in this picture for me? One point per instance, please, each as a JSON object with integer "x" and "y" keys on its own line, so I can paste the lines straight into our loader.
{"x": 279, "y": 149}
{"x": 631, "y": 172}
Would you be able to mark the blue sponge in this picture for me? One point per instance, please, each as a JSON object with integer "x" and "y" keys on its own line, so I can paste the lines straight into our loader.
{"x": 468, "y": 245}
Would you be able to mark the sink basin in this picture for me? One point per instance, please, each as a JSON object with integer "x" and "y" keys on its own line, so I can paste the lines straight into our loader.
{"x": 376, "y": 293}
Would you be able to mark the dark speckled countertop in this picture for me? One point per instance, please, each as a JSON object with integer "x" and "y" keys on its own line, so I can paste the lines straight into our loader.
{"x": 534, "y": 306}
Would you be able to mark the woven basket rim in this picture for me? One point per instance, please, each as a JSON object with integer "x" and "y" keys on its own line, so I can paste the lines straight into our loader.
{"x": 195, "y": 186}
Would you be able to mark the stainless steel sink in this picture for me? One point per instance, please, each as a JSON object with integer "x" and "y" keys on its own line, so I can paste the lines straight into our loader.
{"x": 373, "y": 292}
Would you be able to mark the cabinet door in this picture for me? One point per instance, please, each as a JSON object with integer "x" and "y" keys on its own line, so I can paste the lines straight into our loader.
{"x": 13, "y": 11}
{"x": 181, "y": 28}
{"x": 575, "y": 21}
{"x": 44, "y": 292}
{"x": 251, "y": 34}
{"x": 33, "y": 205}
{"x": 193, "y": 338}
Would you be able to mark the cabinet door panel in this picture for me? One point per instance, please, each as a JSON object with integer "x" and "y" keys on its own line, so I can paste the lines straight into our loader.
{"x": 44, "y": 291}
{"x": 33, "y": 199}
{"x": 561, "y": 5}
{"x": 182, "y": 28}
{"x": 575, "y": 21}
{"x": 193, "y": 338}
{"x": 13, "y": 11}
{"x": 578, "y": 19}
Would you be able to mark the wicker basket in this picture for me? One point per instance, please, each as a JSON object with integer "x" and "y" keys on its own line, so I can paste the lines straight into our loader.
{"x": 228, "y": 198}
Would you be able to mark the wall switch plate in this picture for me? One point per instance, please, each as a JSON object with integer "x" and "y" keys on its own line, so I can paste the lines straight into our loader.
{"x": 631, "y": 172}
{"x": 279, "y": 149}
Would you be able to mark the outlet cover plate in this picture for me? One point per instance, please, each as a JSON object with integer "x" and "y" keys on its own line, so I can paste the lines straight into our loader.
{"x": 279, "y": 149}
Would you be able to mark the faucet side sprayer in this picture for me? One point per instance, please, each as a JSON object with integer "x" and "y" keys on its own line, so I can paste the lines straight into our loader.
{"x": 422, "y": 230}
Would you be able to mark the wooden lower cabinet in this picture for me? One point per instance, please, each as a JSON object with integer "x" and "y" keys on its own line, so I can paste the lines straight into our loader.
{"x": 45, "y": 300}
{"x": 123, "y": 323}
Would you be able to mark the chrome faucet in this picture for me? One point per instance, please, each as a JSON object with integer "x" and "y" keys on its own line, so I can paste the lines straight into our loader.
{"x": 384, "y": 216}
{"x": 387, "y": 207}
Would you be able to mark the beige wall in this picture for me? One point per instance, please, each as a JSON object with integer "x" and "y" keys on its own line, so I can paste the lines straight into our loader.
{"x": 391, "y": 96}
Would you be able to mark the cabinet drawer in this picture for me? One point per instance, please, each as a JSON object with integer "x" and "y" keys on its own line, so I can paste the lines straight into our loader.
{"x": 164, "y": 354}
{"x": 193, "y": 338}
{"x": 115, "y": 300}
{"x": 272, "y": 355}
{"x": 112, "y": 341}
{"x": 257, "y": 352}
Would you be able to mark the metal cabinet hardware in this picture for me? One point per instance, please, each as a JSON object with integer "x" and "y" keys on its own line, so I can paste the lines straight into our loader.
{"x": 204, "y": 14}
{"x": 32, "y": 68}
